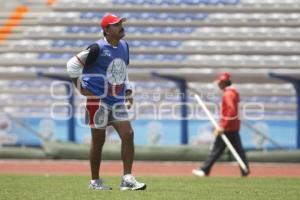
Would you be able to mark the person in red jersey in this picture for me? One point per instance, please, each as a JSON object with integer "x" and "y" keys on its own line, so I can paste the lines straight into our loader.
{"x": 230, "y": 126}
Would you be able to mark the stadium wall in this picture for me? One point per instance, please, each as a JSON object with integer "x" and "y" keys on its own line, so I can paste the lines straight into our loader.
{"x": 147, "y": 132}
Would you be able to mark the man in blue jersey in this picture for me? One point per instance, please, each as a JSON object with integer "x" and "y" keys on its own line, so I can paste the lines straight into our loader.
{"x": 100, "y": 73}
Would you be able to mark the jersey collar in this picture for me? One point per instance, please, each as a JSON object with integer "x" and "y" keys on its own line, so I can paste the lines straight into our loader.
{"x": 109, "y": 43}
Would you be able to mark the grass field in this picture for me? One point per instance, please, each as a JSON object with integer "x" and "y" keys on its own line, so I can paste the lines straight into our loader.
{"x": 56, "y": 187}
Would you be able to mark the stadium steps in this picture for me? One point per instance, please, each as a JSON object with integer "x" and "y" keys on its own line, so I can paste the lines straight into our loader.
{"x": 199, "y": 62}
{"x": 177, "y": 23}
{"x": 29, "y": 69}
{"x": 199, "y": 75}
{"x": 205, "y": 35}
{"x": 9, "y": 6}
{"x": 33, "y": 103}
{"x": 246, "y": 90}
{"x": 259, "y": 7}
{"x": 143, "y": 50}
{"x": 63, "y": 105}
{"x": 159, "y": 61}
{"x": 32, "y": 90}
{"x": 188, "y": 48}
{"x": 213, "y": 20}
{"x": 25, "y": 22}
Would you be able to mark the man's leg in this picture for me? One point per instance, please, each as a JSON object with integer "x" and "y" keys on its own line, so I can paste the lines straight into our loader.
{"x": 216, "y": 152}
{"x": 126, "y": 134}
{"x": 97, "y": 141}
{"x": 235, "y": 140}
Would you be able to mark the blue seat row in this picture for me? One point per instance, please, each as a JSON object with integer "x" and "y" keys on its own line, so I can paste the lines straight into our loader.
{"x": 132, "y": 43}
{"x": 262, "y": 99}
{"x": 31, "y": 110}
{"x": 28, "y": 84}
{"x": 164, "y": 30}
{"x": 280, "y": 113}
{"x": 83, "y": 29}
{"x": 154, "y": 43}
{"x": 71, "y": 43}
{"x": 149, "y": 16}
{"x": 279, "y": 99}
{"x": 131, "y": 29}
{"x": 34, "y": 110}
{"x": 50, "y": 56}
{"x": 31, "y": 97}
{"x": 152, "y": 57}
{"x": 176, "y": 2}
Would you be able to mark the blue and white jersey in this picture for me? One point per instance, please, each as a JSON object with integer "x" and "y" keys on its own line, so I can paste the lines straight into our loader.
{"x": 107, "y": 76}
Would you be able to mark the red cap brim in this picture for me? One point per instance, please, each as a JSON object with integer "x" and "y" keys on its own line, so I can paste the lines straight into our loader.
{"x": 122, "y": 19}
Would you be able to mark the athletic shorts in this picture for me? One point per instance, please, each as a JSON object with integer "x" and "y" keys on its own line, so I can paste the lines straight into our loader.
{"x": 100, "y": 115}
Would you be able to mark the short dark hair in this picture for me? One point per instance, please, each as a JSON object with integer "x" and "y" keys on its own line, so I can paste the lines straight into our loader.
{"x": 104, "y": 33}
{"x": 228, "y": 82}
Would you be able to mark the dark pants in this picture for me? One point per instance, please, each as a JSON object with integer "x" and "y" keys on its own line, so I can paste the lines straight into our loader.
{"x": 219, "y": 147}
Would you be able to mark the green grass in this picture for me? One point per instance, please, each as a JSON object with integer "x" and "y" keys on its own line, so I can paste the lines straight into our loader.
{"x": 175, "y": 188}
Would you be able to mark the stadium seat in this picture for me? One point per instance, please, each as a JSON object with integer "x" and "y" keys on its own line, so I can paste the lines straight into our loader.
{"x": 191, "y": 34}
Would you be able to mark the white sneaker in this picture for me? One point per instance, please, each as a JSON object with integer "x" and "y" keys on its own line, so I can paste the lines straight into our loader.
{"x": 98, "y": 185}
{"x": 130, "y": 183}
{"x": 199, "y": 172}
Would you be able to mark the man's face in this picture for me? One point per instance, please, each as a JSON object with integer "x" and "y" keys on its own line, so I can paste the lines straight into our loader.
{"x": 116, "y": 31}
{"x": 222, "y": 85}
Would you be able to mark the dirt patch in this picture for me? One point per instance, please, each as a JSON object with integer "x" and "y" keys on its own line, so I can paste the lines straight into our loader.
{"x": 144, "y": 168}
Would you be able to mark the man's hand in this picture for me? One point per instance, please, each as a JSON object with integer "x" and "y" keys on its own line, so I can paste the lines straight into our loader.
{"x": 218, "y": 132}
{"x": 86, "y": 92}
{"x": 128, "y": 99}
{"x": 82, "y": 90}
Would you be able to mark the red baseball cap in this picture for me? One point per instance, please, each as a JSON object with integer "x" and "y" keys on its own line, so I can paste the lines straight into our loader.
{"x": 109, "y": 18}
{"x": 223, "y": 77}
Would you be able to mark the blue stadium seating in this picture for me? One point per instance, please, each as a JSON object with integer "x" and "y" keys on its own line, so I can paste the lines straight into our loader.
{"x": 132, "y": 29}
{"x": 71, "y": 43}
{"x": 176, "y": 2}
{"x": 148, "y": 16}
{"x": 132, "y": 43}
{"x": 49, "y": 56}
{"x": 219, "y": 24}
{"x": 164, "y": 57}
{"x": 153, "y": 43}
